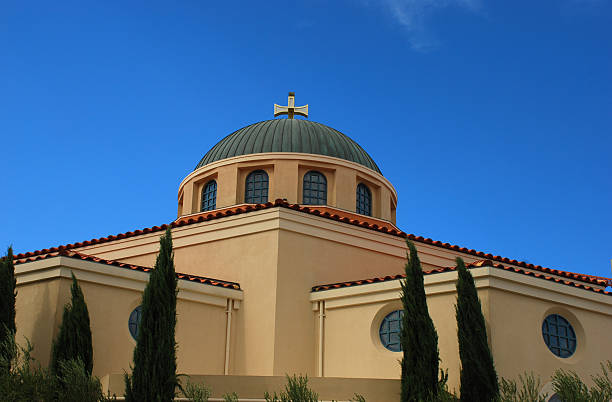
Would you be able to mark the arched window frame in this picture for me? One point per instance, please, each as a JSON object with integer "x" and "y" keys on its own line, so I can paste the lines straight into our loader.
{"x": 314, "y": 188}
{"x": 256, "y": 187}
{"x": 209, "y": 196}
{"x": 363, "y": 200}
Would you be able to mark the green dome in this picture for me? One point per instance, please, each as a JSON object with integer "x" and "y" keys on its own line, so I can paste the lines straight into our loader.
{"x": 289, "y": 135}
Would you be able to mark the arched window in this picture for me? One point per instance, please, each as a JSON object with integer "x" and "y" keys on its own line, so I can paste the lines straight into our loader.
{"x": 364, "y": 200}
{"x": 315, "y": 189}
{"x": 209, "y": 196}
{"x": 256, "y": 189}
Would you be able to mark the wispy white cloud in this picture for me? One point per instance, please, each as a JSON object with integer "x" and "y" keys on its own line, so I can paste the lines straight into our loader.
{"x": 414, "y": 16}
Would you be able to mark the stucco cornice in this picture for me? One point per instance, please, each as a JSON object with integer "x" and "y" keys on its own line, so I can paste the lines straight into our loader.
{"x": 485, "y": 277}
{"x": 102, "y": 274}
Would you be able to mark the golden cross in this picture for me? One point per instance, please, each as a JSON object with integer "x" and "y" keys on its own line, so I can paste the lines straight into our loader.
{"x": 290, "y": 109}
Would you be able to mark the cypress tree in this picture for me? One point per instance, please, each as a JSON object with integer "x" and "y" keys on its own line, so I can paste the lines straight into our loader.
{"x": 478, "y": 376}
{"x": 419, "y": 338}
{"x": 74, "y": 338}
{"x": 154, "y": 373}
{"x": 8, "y": 293}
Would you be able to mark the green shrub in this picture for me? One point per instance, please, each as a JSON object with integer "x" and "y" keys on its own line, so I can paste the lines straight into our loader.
{"x": 444, "y": 395}
{"x": 569, "y": 387}
{"x": 603, "y": 383}
{"x": 76, "y": 384}
{"x": 296, "y": 390}
{"x": 196, "y": 392}
{"x": 233, "y": 397}
{"x": 26, "y": 381}
{"x": 528, "y": 391}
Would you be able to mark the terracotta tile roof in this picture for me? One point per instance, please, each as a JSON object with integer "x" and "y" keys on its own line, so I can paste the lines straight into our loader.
{"x": 476, "y": 264}
{"x": 85, "y": 257}
{"x": 338, "y": 215}
{"x": 326, "y": 211}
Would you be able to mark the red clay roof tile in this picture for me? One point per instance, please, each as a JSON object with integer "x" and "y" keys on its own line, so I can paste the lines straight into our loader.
{"x": 476, "y": 264}
{"x": 343, "y": 216}
{"x": 86, "y": 257}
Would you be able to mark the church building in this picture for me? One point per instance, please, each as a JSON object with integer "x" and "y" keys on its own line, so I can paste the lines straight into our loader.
{"x": 289, "y": 261}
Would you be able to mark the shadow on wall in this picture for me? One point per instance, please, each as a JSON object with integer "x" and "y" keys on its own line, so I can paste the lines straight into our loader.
{"x": 42, "y": 337}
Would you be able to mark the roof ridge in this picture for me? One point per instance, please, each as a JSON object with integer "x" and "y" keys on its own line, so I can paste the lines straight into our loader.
{"x": 242, "y": 208}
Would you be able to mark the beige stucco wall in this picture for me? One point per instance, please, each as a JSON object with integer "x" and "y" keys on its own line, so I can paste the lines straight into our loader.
{"x": 253, "y": 388}
{"x": 516, "y": 335}
{"x": 39, "y": 309}
{"x": 277, "y": 255}
{"x": 238, "y": 250}
{"x": 305, "y": 261}
{"x": 286, "y": 173}
{"x": 352, "y": 346}
{"x": 200, "y": 331}
{"x": 514, "y": 307}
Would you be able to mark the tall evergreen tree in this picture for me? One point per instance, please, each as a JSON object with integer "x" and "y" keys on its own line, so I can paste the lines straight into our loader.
{"x": 8, "y": 293}
{"x": 478, "y": 376}
{"x": 154, "y": 373}
{"x": 419, "y": 338}
{"x": 74, "y": 338}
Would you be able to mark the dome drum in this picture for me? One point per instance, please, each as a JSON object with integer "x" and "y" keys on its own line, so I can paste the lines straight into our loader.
{"x": 285, "y": 173}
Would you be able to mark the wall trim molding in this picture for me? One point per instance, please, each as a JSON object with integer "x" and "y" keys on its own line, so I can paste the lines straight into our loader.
{"x": 112, "y": 276}
{"x": 484, "y": 278}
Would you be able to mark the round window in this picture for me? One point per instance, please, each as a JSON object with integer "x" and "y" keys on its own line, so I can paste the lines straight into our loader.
{"x": 390, "y": 329}
{"x": 134, "y": 321}
{"x": 559, "y": 335}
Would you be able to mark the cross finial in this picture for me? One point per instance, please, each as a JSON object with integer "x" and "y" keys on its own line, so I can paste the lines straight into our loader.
{"x": 290, "y": 110}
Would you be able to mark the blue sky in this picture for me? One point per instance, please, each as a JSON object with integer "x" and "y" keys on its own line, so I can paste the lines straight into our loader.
{"x": 492, "y": 119}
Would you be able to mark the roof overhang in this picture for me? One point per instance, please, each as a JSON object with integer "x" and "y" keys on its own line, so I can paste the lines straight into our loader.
{"x": 484, "y": 278}
{"x": 103, "y": 274}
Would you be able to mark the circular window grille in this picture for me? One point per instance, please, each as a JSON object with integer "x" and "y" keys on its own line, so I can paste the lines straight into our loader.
{"x": 134, "y": 321}
{"x": 559, "y": 335}
{"x": 390, "y": 329}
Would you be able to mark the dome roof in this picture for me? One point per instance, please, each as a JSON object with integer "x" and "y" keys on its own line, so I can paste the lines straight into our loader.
{"x": 289, "y": 135}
